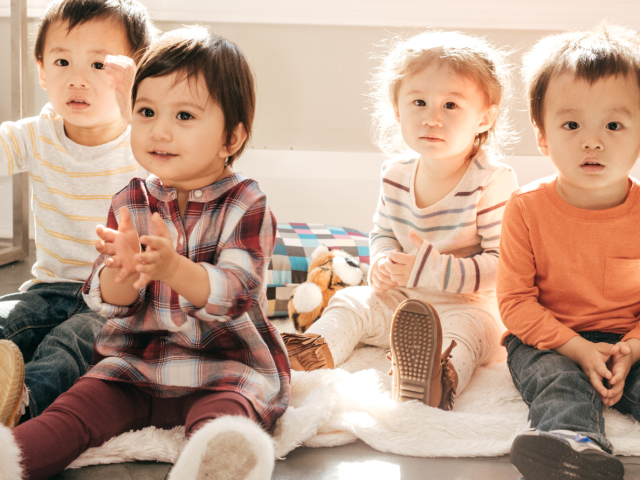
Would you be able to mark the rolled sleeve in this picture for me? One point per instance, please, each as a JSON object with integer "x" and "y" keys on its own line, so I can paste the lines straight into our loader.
{"x": 236, "y": 280}
{"x": 93, "y": 298}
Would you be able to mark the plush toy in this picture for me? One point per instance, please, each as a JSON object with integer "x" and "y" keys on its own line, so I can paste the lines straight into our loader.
{"x": 330, "y": 271}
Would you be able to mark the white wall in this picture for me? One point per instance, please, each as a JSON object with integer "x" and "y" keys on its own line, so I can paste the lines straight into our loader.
{"x": 312, "y": 148}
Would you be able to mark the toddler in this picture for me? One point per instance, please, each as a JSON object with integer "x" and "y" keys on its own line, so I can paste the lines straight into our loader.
{"x": 78, "y": 155}
{"x": 569, "y": 274}
{"x": 434, "y": 247}
{"x": 187, "y": 340}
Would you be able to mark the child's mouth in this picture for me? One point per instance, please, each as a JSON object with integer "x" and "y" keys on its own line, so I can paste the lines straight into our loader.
{"x": 77, "y": 104}
{"x": 161, "y": 155}
{"x": 592, "y": 167}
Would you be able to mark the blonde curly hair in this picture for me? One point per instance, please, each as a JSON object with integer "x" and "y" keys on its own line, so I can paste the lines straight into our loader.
{"x": 471, "y": 57}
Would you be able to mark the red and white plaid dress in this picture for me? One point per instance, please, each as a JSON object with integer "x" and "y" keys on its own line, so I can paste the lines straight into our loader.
{"x": 167, "y": 346}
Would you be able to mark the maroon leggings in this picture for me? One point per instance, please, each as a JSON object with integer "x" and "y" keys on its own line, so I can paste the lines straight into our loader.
{"x": 94, "y": 411}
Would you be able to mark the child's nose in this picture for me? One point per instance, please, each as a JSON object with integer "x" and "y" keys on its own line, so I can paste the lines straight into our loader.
{"x": 592, "y": 142}
{"x": 431, "y": 117}
{"x": 160, "y": 130}
{"x": 77, "y": 79}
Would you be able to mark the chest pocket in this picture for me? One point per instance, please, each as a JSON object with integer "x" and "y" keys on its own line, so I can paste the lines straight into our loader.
{"x": 622, "y": 279}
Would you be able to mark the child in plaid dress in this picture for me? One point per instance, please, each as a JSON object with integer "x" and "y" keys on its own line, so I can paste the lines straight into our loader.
{"x": 187, "y": 340}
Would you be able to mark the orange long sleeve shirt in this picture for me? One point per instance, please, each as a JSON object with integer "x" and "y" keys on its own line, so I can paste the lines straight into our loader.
{"x": 565, "y": 270}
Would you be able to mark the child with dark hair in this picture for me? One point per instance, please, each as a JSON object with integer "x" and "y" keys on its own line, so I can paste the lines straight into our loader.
{"x": 569, "y": 272}
{"x": 187, "y": 340}
{"x": 78, "y": 155}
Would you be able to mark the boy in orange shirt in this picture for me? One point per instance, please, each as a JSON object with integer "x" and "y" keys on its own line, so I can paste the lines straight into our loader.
{"x": 569, "y": 272}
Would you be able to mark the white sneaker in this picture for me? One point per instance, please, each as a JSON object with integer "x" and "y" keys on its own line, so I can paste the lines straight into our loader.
{"x": 12, "y": 388}
{"x": 10, "y": 468}
{"x": 228, "y": 448}
{"x": 562, "y": 455}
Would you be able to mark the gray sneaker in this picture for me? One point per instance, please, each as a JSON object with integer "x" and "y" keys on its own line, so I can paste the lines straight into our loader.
{"x": 563, "y": 455}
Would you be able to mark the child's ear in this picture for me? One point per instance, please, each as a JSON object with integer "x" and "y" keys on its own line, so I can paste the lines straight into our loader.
{"x": 488, "y": 119}
{"x": 542, "y": 142}
{"x": 238, "y": 138}
{"x": 396, "y": 111}
{"x": 41, "y": 77}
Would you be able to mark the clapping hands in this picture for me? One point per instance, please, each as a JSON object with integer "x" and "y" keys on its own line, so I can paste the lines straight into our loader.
{"x": 158, "y": 262}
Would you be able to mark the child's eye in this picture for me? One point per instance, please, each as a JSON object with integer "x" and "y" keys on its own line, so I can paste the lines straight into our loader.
{"x": 419, "y": 103}
{"x": 571, "y": 126}
{"x": 147, "y": 112}
{"x": 450, "y": 106}
{"x": 614, "y": 126}
{"x": 184, "y": 116}
{"x": 97, "y": 65}
{"x": 61, "y": 62}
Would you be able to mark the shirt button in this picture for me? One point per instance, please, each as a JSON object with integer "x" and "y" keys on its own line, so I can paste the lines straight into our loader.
{"x": 198, "y": 193}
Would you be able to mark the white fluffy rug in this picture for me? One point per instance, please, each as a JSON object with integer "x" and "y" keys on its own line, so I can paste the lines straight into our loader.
{"x": 336, "y": 407}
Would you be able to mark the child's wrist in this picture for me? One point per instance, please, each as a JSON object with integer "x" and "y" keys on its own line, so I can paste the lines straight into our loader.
{"x": 175, "y": 263}
{"x": 634, "y": 345}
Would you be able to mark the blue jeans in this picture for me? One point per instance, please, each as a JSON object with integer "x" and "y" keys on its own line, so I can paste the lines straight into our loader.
{"x": 559, "y": 394}
{"x": 55, "y": 331}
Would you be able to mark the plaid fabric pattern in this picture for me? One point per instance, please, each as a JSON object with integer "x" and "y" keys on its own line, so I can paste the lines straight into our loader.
{"x": 166, "y": 345}
{"x": 295, "y": 242}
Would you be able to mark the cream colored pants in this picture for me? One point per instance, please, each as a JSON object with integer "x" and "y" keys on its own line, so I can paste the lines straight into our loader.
{"x": 356, "y": 314}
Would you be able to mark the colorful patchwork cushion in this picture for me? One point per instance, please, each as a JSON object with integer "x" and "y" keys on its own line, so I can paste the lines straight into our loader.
{"x": 295, "y": 242}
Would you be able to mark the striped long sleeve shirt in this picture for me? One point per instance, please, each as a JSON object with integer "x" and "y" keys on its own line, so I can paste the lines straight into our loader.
{"x": 167, "y": 346}
{"x": 72, "y": 188}
{"x": 461, "y": 232}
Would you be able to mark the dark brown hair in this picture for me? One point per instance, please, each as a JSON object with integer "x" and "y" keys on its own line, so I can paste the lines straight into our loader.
{"x": 608, "y": 50}
{"x": 130, "y": 13}
{"x": 194, "y": 54}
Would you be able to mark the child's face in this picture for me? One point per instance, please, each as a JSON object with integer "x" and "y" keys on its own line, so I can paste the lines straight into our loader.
{"x": 177, "y": 132}
{"x": 71, "y": 72}
{"x": 592, "y": 135}
{"x": 441, "y": 112}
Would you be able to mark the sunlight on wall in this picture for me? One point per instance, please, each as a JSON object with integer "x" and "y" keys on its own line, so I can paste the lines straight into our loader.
{"x": 371, "y": 470}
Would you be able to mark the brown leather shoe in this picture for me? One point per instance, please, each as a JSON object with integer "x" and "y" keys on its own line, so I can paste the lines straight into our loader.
{"x": 307, "y": 352}
{"x": 421, "y": 371}
{"x": 11, "y": 383}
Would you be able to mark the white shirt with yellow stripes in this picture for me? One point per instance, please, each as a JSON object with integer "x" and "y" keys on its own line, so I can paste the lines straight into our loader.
{"x": 72, "y": 188}
{"x": 461, "y": 232}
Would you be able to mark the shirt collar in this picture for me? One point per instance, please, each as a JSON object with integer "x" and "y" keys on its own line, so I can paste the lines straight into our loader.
{"x": 201, "y": 195}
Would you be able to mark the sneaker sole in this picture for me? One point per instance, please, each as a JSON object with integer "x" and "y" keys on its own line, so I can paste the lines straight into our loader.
{"x": 11, "y": 377}
{"x": 548, "y": 458}
{"x": 413, "y": 346}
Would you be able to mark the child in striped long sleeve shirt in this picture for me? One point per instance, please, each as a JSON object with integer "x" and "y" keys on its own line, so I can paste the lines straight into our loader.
{"x": 435, "y": 243}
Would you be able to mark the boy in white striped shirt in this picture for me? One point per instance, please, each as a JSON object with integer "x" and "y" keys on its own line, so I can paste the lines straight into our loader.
{"x": 435, "y": 243}
{"x": 77, "y": 153}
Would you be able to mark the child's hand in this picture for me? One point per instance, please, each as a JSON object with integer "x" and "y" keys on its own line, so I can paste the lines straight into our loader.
{"x": 122, "y": 71}
{"x": 121, "y": 246}
{"x": 380, "y": 278}
{"x": 620, "y": 364}
{"x": 160, "y": 261}
{"x": 401, "y": 264}
{"x": 592, "y": 359}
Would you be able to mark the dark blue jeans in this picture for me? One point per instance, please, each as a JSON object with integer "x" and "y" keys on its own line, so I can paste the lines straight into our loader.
{"x": 55, "y": 331}
{"x": 558, "y": 392}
